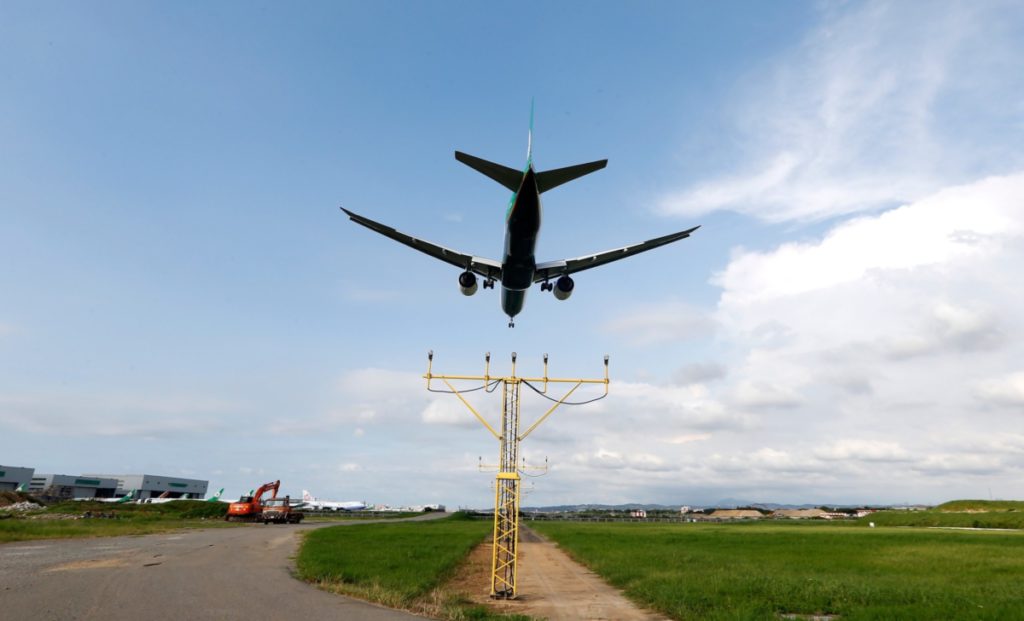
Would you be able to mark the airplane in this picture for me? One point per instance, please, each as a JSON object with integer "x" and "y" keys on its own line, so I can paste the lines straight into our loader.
{"x": 312, "y": 503}
{"x": 126, "y": 498}
{"x": 519, "y": 269}
{"x": 162, "y": 498}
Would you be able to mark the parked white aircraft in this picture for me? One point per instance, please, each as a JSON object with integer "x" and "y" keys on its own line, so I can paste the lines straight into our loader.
{"x": 311, "y": 502}
{"x": 162, "y": 499}
{"x": 126, "y": 498}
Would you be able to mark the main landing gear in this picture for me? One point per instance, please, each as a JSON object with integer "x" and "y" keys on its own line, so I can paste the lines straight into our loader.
{"x": 546, "y": 286}
{"x": 489, "y": 283}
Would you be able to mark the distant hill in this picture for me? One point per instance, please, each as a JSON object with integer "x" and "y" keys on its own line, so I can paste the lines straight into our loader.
{"x": 980, "y": 506}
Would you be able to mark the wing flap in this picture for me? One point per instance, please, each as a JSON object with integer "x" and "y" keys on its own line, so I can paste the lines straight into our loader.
{"x": 488, "y": 268}
{"x": 552, "y": 269}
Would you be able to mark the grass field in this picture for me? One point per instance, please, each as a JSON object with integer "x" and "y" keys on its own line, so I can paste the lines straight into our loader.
{"x": 757, "y": 571}
{"x": 126, "y": 519}
{"x": 957, "y": 513}
{"x": 401, "y": 565}
{"x": 345, "y": 516}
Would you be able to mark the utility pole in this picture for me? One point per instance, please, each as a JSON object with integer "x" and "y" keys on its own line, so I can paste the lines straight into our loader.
{"x": 506, "y": 487}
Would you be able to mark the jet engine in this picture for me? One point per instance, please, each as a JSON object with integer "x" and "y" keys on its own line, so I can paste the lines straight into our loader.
{"x": 467, "y": 283}
{"x": 563, "y": 288}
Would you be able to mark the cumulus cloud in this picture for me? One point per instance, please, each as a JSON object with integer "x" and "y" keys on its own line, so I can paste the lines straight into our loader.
{"x": 883, "y": 103}
{"x": 892, "y": 331}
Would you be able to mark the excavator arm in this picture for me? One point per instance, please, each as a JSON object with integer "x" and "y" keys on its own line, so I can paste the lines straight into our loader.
{"x": 266, "y": 487}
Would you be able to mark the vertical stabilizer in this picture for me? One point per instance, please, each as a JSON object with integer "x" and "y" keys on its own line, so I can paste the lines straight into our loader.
{"x": 529, "y": 139}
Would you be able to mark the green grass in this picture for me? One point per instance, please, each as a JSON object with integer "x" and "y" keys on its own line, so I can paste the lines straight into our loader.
{"x": 755, "y": 571}
{"x": 128, "y": 519}
{"x": 345, "y": 517}
{"x": 936, "y": 517}
{"x": 981, "y": 505}
{"x": 402, "y": 565}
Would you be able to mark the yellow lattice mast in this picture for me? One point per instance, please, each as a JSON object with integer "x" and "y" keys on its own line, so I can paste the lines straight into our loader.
{"x": 506, "y": 485}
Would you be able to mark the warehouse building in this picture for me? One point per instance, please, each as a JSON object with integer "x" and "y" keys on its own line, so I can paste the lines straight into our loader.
{"x": 155, "y": 486}
{"x": 68, "y": 486}
{"x": 13, "y": 477}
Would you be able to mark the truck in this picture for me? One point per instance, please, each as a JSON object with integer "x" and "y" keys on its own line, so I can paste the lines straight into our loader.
{"x": 280, "y": 511}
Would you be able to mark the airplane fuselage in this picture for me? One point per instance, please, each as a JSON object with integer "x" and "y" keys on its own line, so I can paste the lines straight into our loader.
{"x": 522, "y": 225}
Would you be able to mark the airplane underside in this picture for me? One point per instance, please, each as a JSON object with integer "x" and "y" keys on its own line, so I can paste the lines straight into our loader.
{"x": 512, "y": 303}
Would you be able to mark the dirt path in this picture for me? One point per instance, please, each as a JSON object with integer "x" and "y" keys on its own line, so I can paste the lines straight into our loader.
{"x": 551, "y": 586}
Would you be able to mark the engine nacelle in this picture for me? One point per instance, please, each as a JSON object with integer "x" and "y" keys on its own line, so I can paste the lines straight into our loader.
{"x": 467, "y": 283}
{"x": 563, "y": 288}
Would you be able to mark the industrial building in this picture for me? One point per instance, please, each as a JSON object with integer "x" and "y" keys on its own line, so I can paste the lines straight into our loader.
{"x": 12, "y": 477}
{"x": 155, "y": 486}
{"x": 68, "y": 486}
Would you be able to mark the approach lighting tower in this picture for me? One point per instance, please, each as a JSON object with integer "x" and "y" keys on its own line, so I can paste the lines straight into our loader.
{"x": 506, "y": 487}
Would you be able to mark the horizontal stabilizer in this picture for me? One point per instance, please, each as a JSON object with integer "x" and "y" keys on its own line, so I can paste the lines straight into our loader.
{"x": 508, "y": 177}
{"x": 550, "y": 179}
{"x": 551, "y": 269}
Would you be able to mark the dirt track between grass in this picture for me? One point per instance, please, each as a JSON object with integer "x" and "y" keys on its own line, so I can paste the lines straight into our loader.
{"x": 551, "y": 586}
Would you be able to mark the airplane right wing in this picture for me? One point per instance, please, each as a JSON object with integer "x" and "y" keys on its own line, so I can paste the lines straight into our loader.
{"x": 488, "y": 268}
{"x": 551, "y": 269}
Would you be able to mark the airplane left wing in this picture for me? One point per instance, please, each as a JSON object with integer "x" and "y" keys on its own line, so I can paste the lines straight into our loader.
{"x": 488, "y": 268}
{"x": 551, "y": 269}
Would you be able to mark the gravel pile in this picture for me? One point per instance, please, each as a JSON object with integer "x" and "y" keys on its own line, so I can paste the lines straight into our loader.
{"x": 19, "y": 507}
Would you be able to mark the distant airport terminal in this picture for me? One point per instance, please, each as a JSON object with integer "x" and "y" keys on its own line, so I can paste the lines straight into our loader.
{"x": 84, "y": 486}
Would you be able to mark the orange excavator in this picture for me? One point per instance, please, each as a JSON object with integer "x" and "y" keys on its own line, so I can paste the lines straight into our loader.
{"x": 250, "y": 508}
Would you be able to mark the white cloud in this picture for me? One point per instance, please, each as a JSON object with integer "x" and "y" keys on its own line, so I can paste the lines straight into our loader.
{"x": 449, "y": 411}
{"x": 698, "y": 373}
{"x": 1007, "y": 390}
{"x": 882, "y": 103}
{"x": 686, "y": 438}
{"x": 862, "y": 450}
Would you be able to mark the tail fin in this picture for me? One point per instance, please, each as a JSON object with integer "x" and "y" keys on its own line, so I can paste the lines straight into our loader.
{"x": 216, "y": 496}
{"x": 306, "y": 496}
{"x": 508, "y": 177}
{"x": 550, "y": 179}
{"x": 529, "y": 140}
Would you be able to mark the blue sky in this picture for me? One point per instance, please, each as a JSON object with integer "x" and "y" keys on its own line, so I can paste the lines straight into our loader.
{"x": 182, "y": 295}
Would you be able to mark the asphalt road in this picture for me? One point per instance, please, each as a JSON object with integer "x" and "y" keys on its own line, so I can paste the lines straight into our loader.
{"x": 188, "y": 575}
